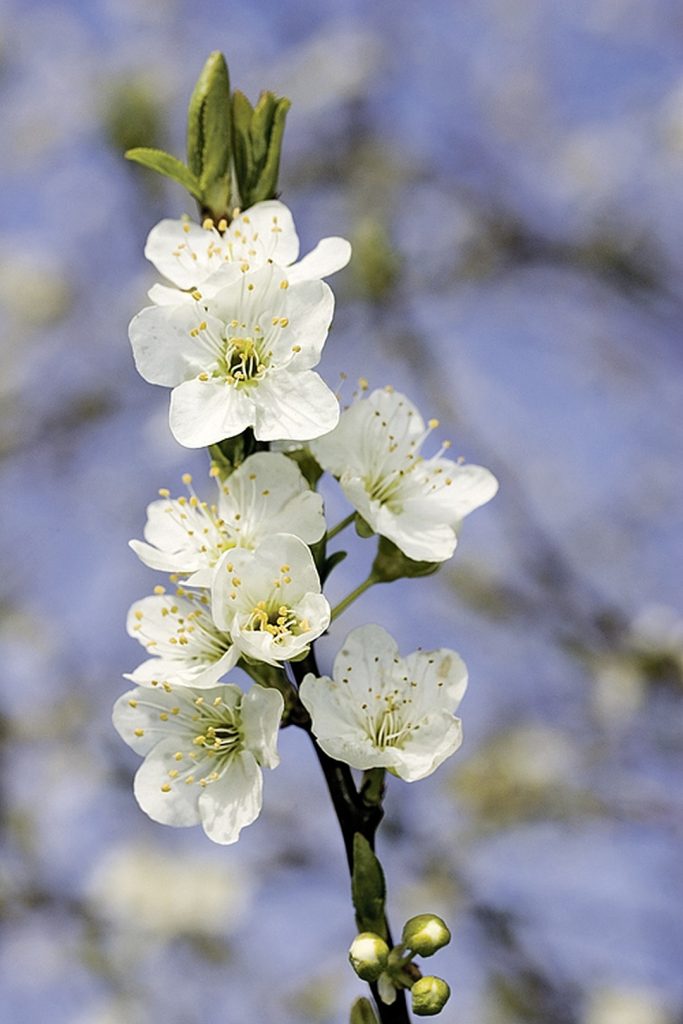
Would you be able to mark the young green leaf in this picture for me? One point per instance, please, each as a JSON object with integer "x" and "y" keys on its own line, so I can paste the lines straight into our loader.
{"x": 169, "y": 166}
{"x": 362, "y": 1012}
{"x": 368, "y": 888}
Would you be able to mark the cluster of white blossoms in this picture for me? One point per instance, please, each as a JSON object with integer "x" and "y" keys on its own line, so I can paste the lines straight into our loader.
{"x": 236, "y": 332}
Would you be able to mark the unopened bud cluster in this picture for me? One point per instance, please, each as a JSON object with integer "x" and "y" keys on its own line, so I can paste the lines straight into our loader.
{"x": 373, "y": 960}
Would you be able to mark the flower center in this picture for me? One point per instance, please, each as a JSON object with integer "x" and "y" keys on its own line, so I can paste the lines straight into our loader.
{"x": 387, "y": 728}
{"x": 277, "y": 619}
{"x": 243, "y": 361}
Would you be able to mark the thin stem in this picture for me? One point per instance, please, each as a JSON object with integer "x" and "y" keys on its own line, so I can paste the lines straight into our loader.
{"x": 340, "y": 526}
{"x": 356, "y": 812}
{"x": 350, "y": 598}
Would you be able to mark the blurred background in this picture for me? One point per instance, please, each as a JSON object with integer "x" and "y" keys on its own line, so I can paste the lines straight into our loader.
{"x": 511, "y": 175}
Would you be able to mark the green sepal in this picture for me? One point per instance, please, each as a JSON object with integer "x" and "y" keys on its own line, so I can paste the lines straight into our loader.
{"x": 363, "y": 529}
{"x": 307, "y": 463}
{"x": 209, "y": 135}
{"x": 362, "y": 1012}
{"x": 169, "y": 166}
{"x": 391, "y": 564}
{"x": 368, "y": 888}
{"x": 231, "y": 453}
{"x": 331, "y": 562}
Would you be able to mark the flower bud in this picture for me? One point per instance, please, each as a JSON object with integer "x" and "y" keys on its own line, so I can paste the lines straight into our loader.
{"x": 425, "y": 934}
{"x": 429, "y": 996}
{"x": 368, "y": 955}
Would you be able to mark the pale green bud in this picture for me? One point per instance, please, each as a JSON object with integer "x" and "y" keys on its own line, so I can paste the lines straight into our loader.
{"x": 425, "y": 934}
{"x": 369, "y": 954}
{"x": 429, "y": 996}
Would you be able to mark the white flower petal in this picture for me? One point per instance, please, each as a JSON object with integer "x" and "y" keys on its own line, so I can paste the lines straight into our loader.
{"x": 168, "y": 801}
{"x": 310, "y": 308}
{"x": 165, "y": 561}
{"x": 263, "y": 232}
{"x": 295, "y": 406}
{"x": 136, "y": 717}
{"x": 439, "y": 736}
{"x": 329, "y": 256}
{"x": 164, "y": 295}
{"x": 268, "y": 494}
{"x": 184, "y": 252}
{"x": 163, "y": 349}
{"x": 261, "y": 713}
{"x": 233, "y": 801}
{"x": 205, "y": 412}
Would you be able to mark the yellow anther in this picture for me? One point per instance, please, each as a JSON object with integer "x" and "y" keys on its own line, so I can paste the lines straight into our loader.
{"x": 175, "y": 711}
{"x": 363, "y": 383}
{"x": 196, "y": 294}
{"x": 222, "y": 224}
{"x": 194, "y": 501}
{"x": 186, "y": 228}
{"x": 203, "y": 376}
{"x": 167, "y": 687}
{"x": 244, "y": 267}
{"x": 166, "y": 788}
{"x": 433, "y": 424}
{"x": 284, "y": 284}
{"x": 178, "y": 756}
{"x": 217, "y": 701}
{"x": 203, "y": 325}
{"x": 159, "y": 589}
{"x": 275, "y": 320}
{"x": 250, "y": 287}
{"x": 164, "y": 492}
{"x": 284, "y": 321}
{"x": 296, "y": 348}
{"x": 138, "y": 615}
{"x": 189, "y": 780}
{"x": 198, "y": 701}
{"x": 214, "y": 471}
{"x": 286, "y": 579}
{"x": 139, "y": 732}
{"x": 187, "y": 478}
{"x": 163, "y": 716}
{"x": 207, "y": 223}
{"x": 132, "y": 703}
{"x": 173, "y": 773}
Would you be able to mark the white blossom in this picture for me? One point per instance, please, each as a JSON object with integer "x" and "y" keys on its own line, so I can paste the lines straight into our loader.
{"x": 270, "y": 600}
{"x": 209, "y": 256}
{"x": 241, "y": 359}
{"x": 416, "y": 502}
{"x": 266, "y": 494}
{"x": 384, "y": 711}
{"x": 146, "y": 890}
{"x": 179, "y": 632}
{"x": 203, "y": 753}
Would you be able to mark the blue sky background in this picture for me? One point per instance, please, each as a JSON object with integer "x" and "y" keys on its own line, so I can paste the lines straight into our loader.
{"x": 511, "y": 175}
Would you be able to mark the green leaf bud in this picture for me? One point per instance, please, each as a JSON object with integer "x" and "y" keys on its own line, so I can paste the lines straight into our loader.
{"x": 429, "y": 996}
{"x": 368, "y": 955}
{"x": 425, "y": 934}
{"x": 362, "y": 1012}
{"x": 368, "y": 888}
{"x": 209, "y": 135}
